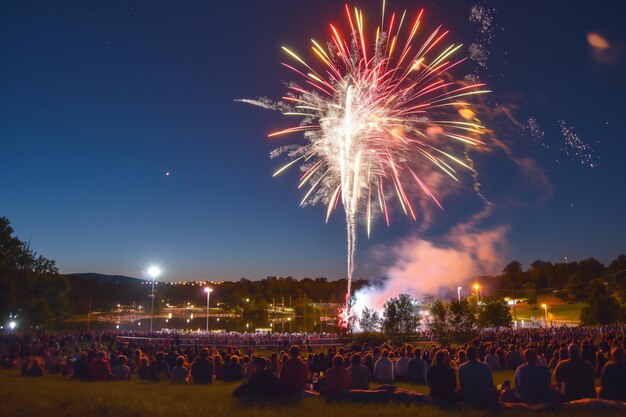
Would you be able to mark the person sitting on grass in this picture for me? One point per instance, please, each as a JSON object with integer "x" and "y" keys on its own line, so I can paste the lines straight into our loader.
{"x": 417, "y": 368}
{"x": 99, "y": 368}
{"x": 180, "y": 374}
{"x": 476, "y": 380}
{"x": 441, "y": 378}
{"x": 492, "y": 359}
{"x": 532, "y": 381}
{"x": 614, "y": 377}
{"x": 383, "y": 369}
{"x": 159, "y": 369}
{"x": 33, "y": 367}
{"x": 293, "y": 375}
{"x": 507, "y": 394}
{"x": 576, "y": 377}
{"x": 359, "y": 374}
{"x": 248, "y": 367}
{"x": 233, "y": 371}
{"x": 337, "y": 377}
{"x": 81, "y": 367}
{"x": 202, "y": 369}
{"x": 402, "y": 366}
{"x": 143, "y": 372}
{"x": 121, "y": 372}
{"x": 262, "y": 384}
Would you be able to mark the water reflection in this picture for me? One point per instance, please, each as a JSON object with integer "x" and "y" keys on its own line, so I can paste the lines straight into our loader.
{"x": 197, "y": 321}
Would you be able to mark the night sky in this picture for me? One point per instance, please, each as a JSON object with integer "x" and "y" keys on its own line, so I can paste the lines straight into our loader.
{"x": 122, "y": 144}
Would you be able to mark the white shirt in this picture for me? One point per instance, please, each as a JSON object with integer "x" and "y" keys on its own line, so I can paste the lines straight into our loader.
{"x": 383, "y": 370}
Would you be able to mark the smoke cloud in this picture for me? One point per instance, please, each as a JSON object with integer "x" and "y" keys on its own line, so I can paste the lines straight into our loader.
{"x": 422, "y": 267}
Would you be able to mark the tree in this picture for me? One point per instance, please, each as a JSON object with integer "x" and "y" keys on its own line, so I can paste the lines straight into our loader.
{"x": 576, "y": 286}
{"x": 369, "y": 320}
{"x": 617, "y": 268}
{"x": 30, "y": 284}
{"x": 531, "y": 294}
{"x": 454, "y": 322}
{"x": 602, "y": 308}
{"x": 494, "y": 312}
{"x": 401, "y": 317}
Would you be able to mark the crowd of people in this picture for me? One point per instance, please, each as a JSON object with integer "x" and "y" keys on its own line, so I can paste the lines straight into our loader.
{"x": 549, "y": 365}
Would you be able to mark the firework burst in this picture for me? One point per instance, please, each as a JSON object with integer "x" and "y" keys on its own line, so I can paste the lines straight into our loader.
{"x": 377, "y": 120}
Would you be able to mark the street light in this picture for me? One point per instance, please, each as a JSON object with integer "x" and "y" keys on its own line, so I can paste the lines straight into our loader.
{"x": 476, "y": 287}
{"x": 153, "y": 272}
{"x": 207, "y": 290}
{"x": 289, "y": 320}
{"x": 545, "y": 308}
{"x": 458, "y": 291}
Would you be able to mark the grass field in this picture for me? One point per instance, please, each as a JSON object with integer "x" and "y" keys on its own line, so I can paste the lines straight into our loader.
{"x": 53, "y": 396}
{"x": 557, "y": 310}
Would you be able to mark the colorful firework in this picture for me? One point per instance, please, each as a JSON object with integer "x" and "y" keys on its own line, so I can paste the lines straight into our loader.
{"x": 377, "y": 120}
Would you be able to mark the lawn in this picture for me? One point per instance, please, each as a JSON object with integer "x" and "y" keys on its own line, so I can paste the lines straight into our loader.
{"x": 53, "y": 396}
{"x": 560, "y": 312}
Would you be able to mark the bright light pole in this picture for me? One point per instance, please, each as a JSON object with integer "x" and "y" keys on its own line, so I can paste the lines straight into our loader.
{"x": 545, "y": 308}
{"x": 289, "y": 320}
{"x": 207, "y": 290}
{"x": 154, "y": 272}
{"x": 458, "y": 291}
{"x": 476, "y": 287}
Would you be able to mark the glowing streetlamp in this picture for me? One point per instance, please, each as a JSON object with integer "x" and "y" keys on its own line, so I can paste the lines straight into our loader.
{"x": 458, "y": 291}
{"x": 153, "y": 272}
{"x": 289, "y": 320}
{"x": 476, "y": 287}
{"x": 545, "y": 308}
{"x": 207, "y": 290}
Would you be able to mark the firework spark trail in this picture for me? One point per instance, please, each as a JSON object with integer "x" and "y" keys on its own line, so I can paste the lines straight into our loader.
{"x": 376, "y": 120}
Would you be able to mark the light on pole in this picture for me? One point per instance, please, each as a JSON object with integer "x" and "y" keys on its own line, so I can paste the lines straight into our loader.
{"x": 545, "y": 308}
{"x": 153, "y": 272}
{"x": 207, "y": 290}
{"x": 289, "y": 320}
{"x": 458, "y": 291}
{"x": 476, "y": 287}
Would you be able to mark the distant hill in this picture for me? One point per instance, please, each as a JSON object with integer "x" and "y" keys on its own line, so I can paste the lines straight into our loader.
{"x": 118, "y": 279}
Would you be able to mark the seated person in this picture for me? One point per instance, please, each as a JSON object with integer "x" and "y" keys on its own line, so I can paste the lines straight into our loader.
{"x": 337, "y": 377}
{"x": 143, "y": 372}
{"x": 159, "y": 369}
{"x": 294, "y": 374}
{"x": 233, "y": 370}
{"x": 441, "y": 378}
{"x": 614, "y": 377}
{"x": 121, "y": 372}
{"x": 180, "y": 374}
{"x": 202, "y": 369}
{"x": 417, "y": 368}
{"x": 476, "y": 380}
{"x": 262, "y": 384}
{"x": 576, "y": 377}
{"x": 359, "y": 374}
{"x": 532, "y": 381}
{"x": 99, "y": 368}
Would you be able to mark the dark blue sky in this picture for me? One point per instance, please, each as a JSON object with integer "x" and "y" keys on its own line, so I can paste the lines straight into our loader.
{"x": 100, "y": 100}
